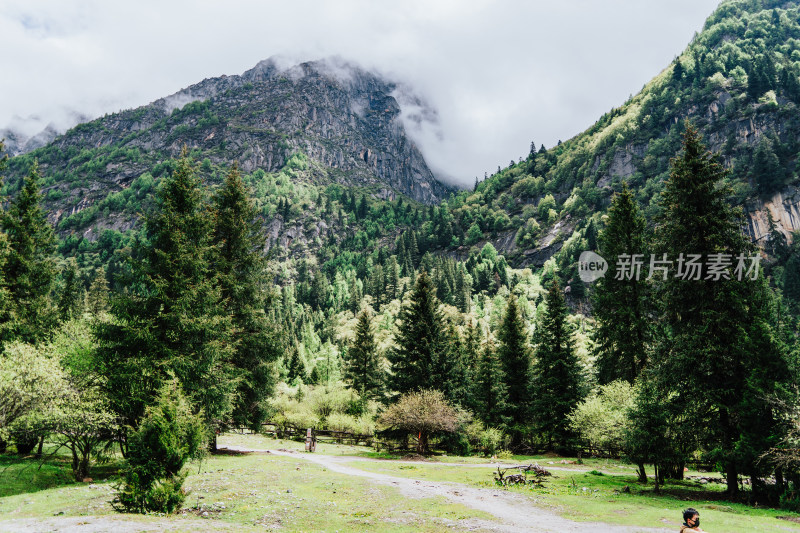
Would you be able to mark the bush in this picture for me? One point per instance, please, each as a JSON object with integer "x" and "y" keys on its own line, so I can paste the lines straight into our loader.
{"x": 168, "y": 436}
{"x": 421, "y": 413}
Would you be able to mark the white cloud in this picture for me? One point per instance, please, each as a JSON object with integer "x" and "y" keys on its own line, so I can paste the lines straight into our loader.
{"x": 500, "y": 74}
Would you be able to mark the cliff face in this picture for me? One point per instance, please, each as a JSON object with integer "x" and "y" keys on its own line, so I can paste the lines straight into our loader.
{"x": 738, "y": 83}
{"x": 344, "y": 119}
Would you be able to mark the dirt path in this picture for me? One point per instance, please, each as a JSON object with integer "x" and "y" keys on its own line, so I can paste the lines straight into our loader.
{"x": 353, "y": 458}
{"x": 516, "y": 512}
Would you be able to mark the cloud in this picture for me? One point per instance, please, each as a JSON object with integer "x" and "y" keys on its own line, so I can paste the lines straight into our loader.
{"x": 498, "y": 74}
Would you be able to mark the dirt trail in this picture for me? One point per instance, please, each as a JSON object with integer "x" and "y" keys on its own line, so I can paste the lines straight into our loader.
{"x": 516, "y": 512}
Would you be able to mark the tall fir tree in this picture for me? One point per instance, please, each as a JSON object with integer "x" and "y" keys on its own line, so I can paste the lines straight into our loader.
{"x": 515, "y": 361}
{"x": 557, "y": 374}
{"x": 489, "y": 388}
{"x": 716, "y": 335}
{"x": 240, "y": 265}
{"x": 70, "y": 300}
{"x": 362, "y": 366}
{"x": 620, "y": 303}
{"x": 421, "y": 354}
{"x": 97, "y": 295}
{"x": 171, "y": 320}
{"x": 30, "y": 269}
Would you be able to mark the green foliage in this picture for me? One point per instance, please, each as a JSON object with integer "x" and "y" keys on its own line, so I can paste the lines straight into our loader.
{"x": 490, "y": 391}
{"x": 240, "y": 268}
{"x": 421, "y": 358}
{"x": 421, "y": 413}
{"x": 31, "y": 384}
{"x": 717, "y": 344}
{"x": 168, "y": 436}
{"x": 602, "y": 419}
{"x": 171, "y": 320}
{"x": 362, "y": 366}
{"x": 557, "y": 375}
{"x": 621, "y": 306}
{"x": 515, "y": 361}
{"x": 29, "y": 266}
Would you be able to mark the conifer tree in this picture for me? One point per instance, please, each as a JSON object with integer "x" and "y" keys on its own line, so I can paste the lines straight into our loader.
{"x": 355, "y": 295}
{"x": 71, "y": 298}
{"x": 171, "y": 320}
{"x": 392, "y": 279}
{"x": 362, "y": 366}
{"x": 240, "y": 265}
{"x": 623, "y": 330}
{"x": 295, "y": 366}
{"x": 557, "y": 379}
{"x": 716, "y": 335}
{"x": 29, "y": 269}
{"x": 97, "y": 295}
{"x": 421, "y": 344}
{"x": 515, "y": 361}
{"x": 489, "y": 388}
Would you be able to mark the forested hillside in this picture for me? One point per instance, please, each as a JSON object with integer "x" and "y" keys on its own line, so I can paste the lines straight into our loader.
{"x": 274, "y": 250}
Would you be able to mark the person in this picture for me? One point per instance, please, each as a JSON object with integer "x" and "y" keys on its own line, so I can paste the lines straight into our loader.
{"x": 691, "y": 521}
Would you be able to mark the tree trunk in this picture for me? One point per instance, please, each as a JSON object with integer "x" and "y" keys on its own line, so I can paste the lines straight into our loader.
{"x": 422, "y": 443}
{"x": 732, "y": 480}
{"x": 642, "y": 473}
{"x": 75, "y": 463}
{"x": 657, "y": 487}
{"x": 779, "y": 480}
{"x": 41, "y": 446}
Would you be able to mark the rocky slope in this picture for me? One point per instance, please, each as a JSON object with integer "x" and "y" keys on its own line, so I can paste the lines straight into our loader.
{"x": 344, "y": 119}
{"x": 738, "y": 81}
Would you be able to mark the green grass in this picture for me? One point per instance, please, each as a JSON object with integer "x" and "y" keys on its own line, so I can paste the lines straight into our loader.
{"x": 258, "y": 491}
{"x": 26, "y": 475}
{"x": 240, "y": 492}
{"x": 586, "y": 496}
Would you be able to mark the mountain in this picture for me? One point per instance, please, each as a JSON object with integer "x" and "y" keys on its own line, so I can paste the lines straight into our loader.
{"x": 342, "y": 119}
{"x": 17, "y": 143}
{"x": 738, "y": 81}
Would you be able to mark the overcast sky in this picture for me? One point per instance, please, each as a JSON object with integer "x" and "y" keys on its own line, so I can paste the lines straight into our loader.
{"x": 500, "y": 74}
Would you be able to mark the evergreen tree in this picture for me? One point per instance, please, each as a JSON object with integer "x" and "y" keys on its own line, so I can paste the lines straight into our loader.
{"x": 240, "y": 266}
{"x": 97, "y": 295}
{"x": 623, "y": 330}
{"x": 362, "y": 209}
{"x": 71, "y": 298}
{"x": 421, "y": 344}
{"x": 515, "y": 361}
{"x": 557, "y": 379}
{"x": 170, "y": 321}
{"x": 489, "y": 388}
{"x": 295, "y": 366}
{"x": 362, "y": 366}
{"x": 716, "y": 337}
{"x": 29, "y": 269}
{"x": 355, "y": 295}
{"x": 392, "y": 279}
{"x": 767, "y": 173}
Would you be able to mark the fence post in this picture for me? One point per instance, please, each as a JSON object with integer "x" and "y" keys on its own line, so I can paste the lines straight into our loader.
{"x": 311, "y": 444}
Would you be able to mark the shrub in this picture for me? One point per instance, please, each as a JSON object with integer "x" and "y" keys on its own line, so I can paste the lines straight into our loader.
{"x": 421, "y": 413}
{"x": 168, "y": 436}
{"x": 602, "y": 418}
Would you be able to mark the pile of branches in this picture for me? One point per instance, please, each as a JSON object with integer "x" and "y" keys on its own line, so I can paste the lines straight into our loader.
{"x": 525, "y": 475}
